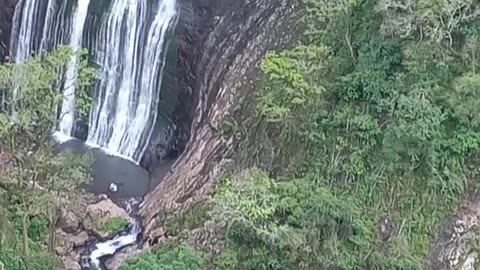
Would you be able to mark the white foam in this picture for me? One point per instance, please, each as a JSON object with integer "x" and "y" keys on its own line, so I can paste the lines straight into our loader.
{"x": 111, "y": 246}
{"x": 131, "y": 51}
{"x": 110, "y": 152}
{"x": 60, "y": 137}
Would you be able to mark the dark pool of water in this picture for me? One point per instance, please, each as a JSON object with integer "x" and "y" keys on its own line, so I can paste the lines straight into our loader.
{"x": 131, "y": 179}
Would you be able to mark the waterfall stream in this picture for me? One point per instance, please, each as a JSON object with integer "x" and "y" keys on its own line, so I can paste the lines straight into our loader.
{"x": 128, "y": 47}
{"x": 67, "y": 114}
{"x": 131, "y": 48}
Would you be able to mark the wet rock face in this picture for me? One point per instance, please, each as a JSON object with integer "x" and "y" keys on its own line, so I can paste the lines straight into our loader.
{"x": 457, "y": 243}
{"x": 229, "y": 40}
{"x": 7, "y": 8}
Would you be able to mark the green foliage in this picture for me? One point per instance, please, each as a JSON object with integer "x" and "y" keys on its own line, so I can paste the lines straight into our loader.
{"x": 436, "y": 20}
{"x": 176, "y": 256}
{"x": 287, "y": 85}
{"x": 280, "y": 225}
{"x": 115, "y": 224}
{"x": 11, "y": 260}
{"x": 33, "y": 178}
{"x": 190, "y": 218}
{"x": 372, "y": 114}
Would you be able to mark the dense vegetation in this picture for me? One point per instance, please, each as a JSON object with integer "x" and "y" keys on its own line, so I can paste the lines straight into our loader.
{"x": 33, "y": 179}
{"x": 371, "y": 117}
{"x": 375, "y": 114}
{"x": 176, "y": 256}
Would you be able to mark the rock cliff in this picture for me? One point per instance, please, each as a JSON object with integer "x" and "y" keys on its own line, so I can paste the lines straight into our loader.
{"x": 223, "y": 45}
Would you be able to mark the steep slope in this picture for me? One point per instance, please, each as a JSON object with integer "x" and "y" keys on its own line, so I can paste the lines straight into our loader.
{"x": 226, "y": 64}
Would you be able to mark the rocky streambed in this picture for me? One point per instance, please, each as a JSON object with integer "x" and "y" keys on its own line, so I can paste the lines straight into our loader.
{"x": 90, "y": 229}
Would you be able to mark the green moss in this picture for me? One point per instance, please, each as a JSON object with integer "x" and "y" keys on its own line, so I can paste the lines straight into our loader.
{"x": 114, "y": 224}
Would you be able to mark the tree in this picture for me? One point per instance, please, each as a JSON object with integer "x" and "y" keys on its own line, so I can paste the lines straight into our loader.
{"x": 436, "y": 20}
{"x": 34, "y": 173}
{"x": 175, "y": 256}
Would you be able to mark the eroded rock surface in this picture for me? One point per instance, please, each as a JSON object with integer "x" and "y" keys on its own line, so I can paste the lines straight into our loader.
{"x": 225, "y": 69}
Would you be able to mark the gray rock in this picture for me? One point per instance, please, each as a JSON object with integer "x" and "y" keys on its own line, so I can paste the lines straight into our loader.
{"x": 68, "y": 220}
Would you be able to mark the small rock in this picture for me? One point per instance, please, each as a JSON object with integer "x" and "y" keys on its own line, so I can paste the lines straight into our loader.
{"x": 68, "y": 221}
{"x": 63, "y": 244}
{"x": 386, "y": 228}
{"x": 79, "y": 239}
{"x": 113, "y": 187}
{"x": 101, "y": 197}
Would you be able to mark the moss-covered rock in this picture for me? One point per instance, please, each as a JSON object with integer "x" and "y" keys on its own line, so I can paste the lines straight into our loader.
{"x": 105, "y": 218}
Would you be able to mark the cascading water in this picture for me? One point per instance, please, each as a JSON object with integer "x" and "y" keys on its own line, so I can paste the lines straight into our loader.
{"x": 27, "y": 22}
{"x": 67, "y": 114}
{"x": 130, "y": 49}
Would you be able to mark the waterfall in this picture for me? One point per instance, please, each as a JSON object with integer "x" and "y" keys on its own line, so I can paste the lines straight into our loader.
{"x": 128, "y": 47}
{"x": 67, "y": 114}
{"x": 131, "y": 50}
{"x": 27, "y": 22}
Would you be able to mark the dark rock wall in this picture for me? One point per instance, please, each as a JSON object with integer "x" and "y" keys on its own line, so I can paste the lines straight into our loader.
{"x": 178, "y": 94}
{"x": 7, "y": 8}
{"x": 222, "y": 52}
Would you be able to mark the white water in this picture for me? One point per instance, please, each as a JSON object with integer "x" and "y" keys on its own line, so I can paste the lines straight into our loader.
{"x": 23, "y": 40}
{"x": 111, "y": 246}
{"x": 22, "y": 44}
{"x": 131, "y": 51}
{"x": 67, "y": 114}
{"x": 128, "y": 46}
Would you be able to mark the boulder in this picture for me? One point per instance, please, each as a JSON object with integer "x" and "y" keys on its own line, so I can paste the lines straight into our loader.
{"x": 66, "y": 242}
{"x": 99, "y": 214}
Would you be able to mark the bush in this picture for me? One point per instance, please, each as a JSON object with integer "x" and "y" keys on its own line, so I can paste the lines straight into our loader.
{"x": 176, "y": 256}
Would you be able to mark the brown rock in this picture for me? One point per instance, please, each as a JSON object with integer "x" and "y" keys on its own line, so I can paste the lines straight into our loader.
{"x": 386, "y": 228}
{"x": 99, "y": 213}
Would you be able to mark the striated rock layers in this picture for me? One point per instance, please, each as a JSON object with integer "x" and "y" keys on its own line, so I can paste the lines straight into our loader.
{"x": 223, "y": 46}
